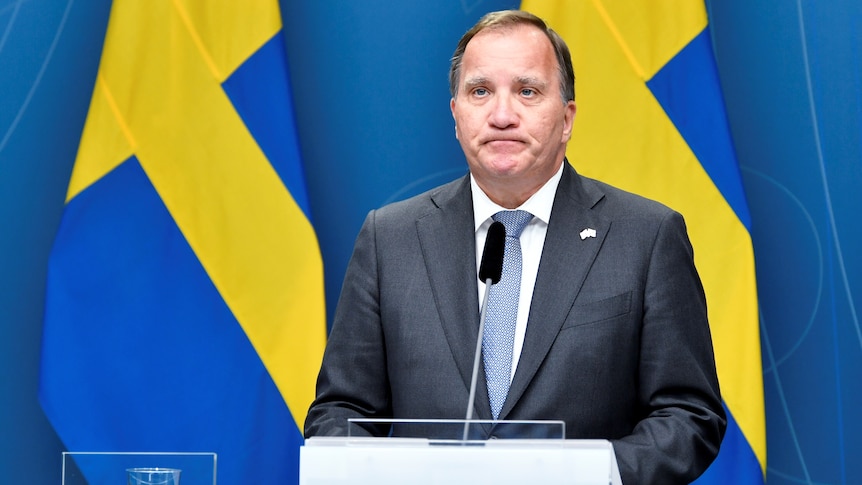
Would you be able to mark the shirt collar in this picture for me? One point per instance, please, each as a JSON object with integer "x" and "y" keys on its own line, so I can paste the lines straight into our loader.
{"x": 539, "y": 204}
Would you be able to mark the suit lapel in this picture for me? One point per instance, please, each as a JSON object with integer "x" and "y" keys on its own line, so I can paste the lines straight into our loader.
{"x": 566, "y": 260}
{"x": 448, "y": 241}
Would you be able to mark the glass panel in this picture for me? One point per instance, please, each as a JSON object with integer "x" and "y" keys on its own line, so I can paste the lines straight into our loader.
{"x": 96, "y": 468}
{"x": 456, "y": 431}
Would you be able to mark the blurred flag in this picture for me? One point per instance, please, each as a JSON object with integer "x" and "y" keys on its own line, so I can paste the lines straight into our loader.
{"x": 185, "y": 301}
{"x": 651, "y": 120}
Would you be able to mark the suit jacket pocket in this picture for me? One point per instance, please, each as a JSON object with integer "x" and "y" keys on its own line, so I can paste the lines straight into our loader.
{"x": 596, "y": 311}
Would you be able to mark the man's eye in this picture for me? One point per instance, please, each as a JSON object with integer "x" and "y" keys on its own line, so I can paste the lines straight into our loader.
{"x": 527, "y": 92}
{"x": 480, "y": 92}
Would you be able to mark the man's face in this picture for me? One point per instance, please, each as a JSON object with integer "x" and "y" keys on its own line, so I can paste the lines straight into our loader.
{"x": 509, "y": 115}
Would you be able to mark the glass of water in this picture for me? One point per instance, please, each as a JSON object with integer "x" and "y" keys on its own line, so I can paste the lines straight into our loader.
{"x": 153, "y": 476}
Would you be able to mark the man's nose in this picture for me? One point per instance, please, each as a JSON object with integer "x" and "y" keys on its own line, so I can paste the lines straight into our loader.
{"x": 503, "y": 111}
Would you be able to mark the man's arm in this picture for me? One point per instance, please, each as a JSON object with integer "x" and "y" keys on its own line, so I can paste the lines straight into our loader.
{"x": 683, "y": 419}
{"x": 352, "y": 381}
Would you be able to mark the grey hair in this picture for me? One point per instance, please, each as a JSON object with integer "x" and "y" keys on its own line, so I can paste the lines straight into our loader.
{"x": 508, "y": 19}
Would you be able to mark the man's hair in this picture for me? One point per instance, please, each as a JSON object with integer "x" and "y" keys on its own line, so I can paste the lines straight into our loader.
{"x": 506, "y": 19}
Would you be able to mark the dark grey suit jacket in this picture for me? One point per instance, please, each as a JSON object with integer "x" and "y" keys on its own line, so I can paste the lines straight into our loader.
{"x": 617, "y": 344}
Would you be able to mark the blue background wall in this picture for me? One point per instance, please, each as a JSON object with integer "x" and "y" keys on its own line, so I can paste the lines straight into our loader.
{"x": 372, "y": 108}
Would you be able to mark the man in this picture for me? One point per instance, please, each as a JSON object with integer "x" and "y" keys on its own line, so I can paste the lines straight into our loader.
{"x": 609, "y": 332}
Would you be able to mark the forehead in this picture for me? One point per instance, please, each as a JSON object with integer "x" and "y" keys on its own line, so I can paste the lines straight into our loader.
{"x": 517, "y": 47}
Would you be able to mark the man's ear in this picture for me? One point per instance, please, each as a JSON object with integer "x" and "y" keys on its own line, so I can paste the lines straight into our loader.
{"x": 452, "y": 110}
{"x": 569, "y": 120}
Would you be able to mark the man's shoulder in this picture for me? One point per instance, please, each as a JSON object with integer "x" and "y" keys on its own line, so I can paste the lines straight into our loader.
{"x": 624, "y": 203}
{"x": 426, "y": 202}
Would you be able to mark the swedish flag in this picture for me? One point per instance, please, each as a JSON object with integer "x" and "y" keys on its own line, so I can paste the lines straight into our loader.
{"x": 185, "y": 303}
{"x": 651, "y": 120}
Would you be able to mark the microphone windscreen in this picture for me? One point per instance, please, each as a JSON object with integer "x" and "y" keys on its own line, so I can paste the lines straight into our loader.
{"x": 492, "y": 257}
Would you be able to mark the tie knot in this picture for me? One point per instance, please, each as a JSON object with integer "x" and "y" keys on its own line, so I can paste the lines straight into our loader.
{"x": 515, "y": 221}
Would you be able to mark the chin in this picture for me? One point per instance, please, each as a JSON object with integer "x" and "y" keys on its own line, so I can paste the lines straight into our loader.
{"x": 503, "y": 165}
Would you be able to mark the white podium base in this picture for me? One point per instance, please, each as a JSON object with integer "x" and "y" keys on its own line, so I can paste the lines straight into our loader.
{"x": 385, "y": 461}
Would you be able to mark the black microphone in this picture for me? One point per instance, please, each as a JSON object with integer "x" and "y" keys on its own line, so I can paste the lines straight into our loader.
{"x": 492, "y": 258}
{"x": 490, "y": 271}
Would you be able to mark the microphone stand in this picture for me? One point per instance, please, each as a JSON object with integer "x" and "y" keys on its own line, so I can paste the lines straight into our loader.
{"x": 472, "y": 399}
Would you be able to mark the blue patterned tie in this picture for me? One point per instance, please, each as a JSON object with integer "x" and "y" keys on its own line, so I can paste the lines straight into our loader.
{"x": 502, "y": 312}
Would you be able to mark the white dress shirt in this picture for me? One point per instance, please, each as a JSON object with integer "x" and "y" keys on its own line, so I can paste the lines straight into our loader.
{"x": 532, "y": 242}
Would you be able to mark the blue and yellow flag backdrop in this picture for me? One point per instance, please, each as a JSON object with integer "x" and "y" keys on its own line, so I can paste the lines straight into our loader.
{"x": 185, "y": 301}
{"x": 651, "y": 120}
